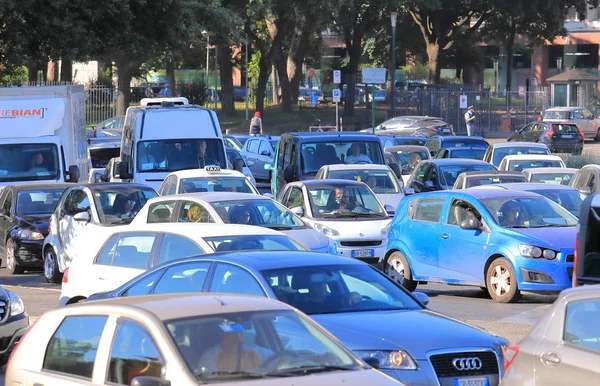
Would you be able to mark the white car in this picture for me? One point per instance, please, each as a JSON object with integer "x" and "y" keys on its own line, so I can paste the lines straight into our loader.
{"x": 346, "y": 211}
{"x": 100, "y": 152}
{"x": 209, "y": 179}
{"x": 128, "y": 251}
{"x": 234, "y": 208}
{"x": 380, "y": 178}
{"x": 550, "y": 175}
{"x": 497, "y": 151}
{"x": 518, "y": 163}
{"x": 83, "y": 215}
{"x": 467, "y": 180}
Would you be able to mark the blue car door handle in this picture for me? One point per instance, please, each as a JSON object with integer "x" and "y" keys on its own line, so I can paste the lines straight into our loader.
{"x": 444, "y": 235}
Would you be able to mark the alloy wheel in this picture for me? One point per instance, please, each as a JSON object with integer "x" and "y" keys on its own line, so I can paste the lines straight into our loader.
{"x": 500, "y": 280}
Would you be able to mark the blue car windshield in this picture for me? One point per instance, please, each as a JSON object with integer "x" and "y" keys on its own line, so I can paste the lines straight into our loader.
{"x": 330, "y": 289}
{"x": 569, "y": 199}
{"x": 528, "y": 212}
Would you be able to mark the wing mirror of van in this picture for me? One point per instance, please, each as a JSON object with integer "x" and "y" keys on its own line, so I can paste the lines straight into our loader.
{"x": 288, "y": 174}
{"x": 73, "y": 174}
{"x": 298, "y": 211}
{"x": 122, "y": 171}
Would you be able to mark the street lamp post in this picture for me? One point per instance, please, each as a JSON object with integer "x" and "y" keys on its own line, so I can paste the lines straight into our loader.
{"x": 394, "y": 16}
{"x": 246, "y": 56}
{"x": 559, "y": 61}
{"x": 495, "y": 75}
{"x": 207, "y": 83}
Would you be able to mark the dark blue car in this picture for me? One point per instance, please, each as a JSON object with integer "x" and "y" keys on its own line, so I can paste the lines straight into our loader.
{"x": 367, "y": 311}
{"x": 441, "y": 174}
{"x": 504, "y": 241}
{"x": 437, "y": 142}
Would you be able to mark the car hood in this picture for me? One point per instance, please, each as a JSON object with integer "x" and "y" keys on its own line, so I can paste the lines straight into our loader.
{"x": 554, "y": 238}
{"x": 416, "y": 331}
{"x": 41, "y": 223}
{"x": 312, "y": 239}
{"x": 357, "y": 228}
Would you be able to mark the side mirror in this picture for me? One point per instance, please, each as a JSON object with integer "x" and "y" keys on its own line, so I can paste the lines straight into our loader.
{"x": 429, "y": 185}
{"x": 288, "y": 174}
{"x": 98, "y": 178}
{"x": 371, "y": 361}
{"x": 397, "y": 170}
{"x": 432, "y": 152}
{"x": 471, "y": 224}
{"x": 389, "y": 208}
{"x": 122, "y": 171}
{"x": 408, "y": 191}
{"x": 585, "y": 190}
{"x": 423, "y": 298}
{"x": 74, "y": 174}
{"x": 239, "y": 165}
{"x": 149, "y": 381}
{"x": 268, "y": 167}
{"x": 298, "y": 211}
{"x": 105, "y": 178}
{"x": 82, "y": 216}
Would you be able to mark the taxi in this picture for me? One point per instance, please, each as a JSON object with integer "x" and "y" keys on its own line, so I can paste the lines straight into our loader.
{"x": 209, "y": 179}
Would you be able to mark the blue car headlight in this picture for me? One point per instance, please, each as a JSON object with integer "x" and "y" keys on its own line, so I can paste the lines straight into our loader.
{"x": 332, "y": 247}
{"x": 536, "y": 252}
{"x": 390, "y": 360}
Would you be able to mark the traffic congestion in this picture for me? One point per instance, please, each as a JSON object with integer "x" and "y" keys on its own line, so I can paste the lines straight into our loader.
{"x": 181, "y": 255}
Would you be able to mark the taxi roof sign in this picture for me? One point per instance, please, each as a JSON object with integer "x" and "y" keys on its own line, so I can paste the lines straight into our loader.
{"x": 212, "y": 169}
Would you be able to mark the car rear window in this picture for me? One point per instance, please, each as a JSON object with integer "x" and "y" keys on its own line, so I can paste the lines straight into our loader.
{"x": 565, "y": 129}
{"x": 556, "y": 114}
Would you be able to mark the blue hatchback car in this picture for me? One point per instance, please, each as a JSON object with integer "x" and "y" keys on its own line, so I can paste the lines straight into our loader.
{"x": 505, "y": 241}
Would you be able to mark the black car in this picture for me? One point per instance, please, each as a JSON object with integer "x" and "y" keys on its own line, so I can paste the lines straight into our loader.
{"x": 460, "y": 152}
{"x": 437, "y": 142}
{"x": 14, "y": 322}
{"x": 25, "y": 212}
{"x": 441, "y": 174}
{"x": 394, "y": 140}
{"x": 559, "y": 137}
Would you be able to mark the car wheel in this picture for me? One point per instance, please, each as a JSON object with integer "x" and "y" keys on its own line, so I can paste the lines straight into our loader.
{"x": 12, "y": 265}
{"x": 501, "y": 282}
{"x": 578, "y": 151}
{"x": 397, "y": 268}
{"x": 597, "y": 137}
{"x": 51, "y": 271}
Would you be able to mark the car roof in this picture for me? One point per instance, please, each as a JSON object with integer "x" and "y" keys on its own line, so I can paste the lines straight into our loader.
{"x": 209, "y": 197}
{"x": 308, "y": 183}
{"x": 484, "y": 193}
{"x": 590, "y": 166}
{"x": 457, "y": 161}
{"x": 356, "y": 167}
{"x": 182, "y": 305}
{"x": 550, "y": 169}
{"x": 406, "y": 147}
{"x": 498, "y": 145}
{"x": 104, "y": 143}
{"x": 547, "y": 157}
{"x": 318, "y": 136}
{"x": 202, "y": 230}
{"x": 491, "y": 173}
{"x": 40, "y": 185}
{"x": 199, "y": 173}
{"x": 463, "y": 148}
{"x": 527, "y": 186}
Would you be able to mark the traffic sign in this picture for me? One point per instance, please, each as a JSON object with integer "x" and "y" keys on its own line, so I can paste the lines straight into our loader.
{"x": 313, "y": 99}
{"x": 373, "y": 75}
{"x": 337, "y": 95}
{"x": 337, "y": 76}
{"x": 463, "y": 101}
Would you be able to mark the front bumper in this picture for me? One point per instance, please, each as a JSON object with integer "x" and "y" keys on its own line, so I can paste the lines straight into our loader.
{"x": 376, "y": 257}
{"x": 11, "y": 331}
{"x": 29, "y": 252}
{"x": 541, "y": 275}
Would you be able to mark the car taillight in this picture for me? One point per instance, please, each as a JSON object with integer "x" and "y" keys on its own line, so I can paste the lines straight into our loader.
{"x": 19, "y": 342}
{"x": 49, "y": 224}
{"x": 580, "y": 132}
{"x": 575, "y": 260}
{"x": 65, "y": 278}
{"x": 510, "y": 354}
{"x": 549, "y": 133}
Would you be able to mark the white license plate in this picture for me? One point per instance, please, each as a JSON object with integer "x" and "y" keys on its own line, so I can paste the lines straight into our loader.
{"x": 363, "y": 253}
{"x": 446, "y": 131}
{"x": 471, "y": 382}
{"x": 567, "y": 136}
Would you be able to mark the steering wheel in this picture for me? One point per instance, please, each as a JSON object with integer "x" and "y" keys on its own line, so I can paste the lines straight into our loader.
{"x": 278, "y": 355}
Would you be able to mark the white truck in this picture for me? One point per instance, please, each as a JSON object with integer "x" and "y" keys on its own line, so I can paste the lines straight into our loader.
{"x": 164, "y": 135}
{"x": 42, "y": 135}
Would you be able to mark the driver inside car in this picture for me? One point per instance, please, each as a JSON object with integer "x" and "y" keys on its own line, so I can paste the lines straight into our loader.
{"x": 356, "y": 156}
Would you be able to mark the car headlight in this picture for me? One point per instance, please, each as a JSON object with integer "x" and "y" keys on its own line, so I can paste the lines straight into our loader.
{"x": 332, "y": 247}
{"x": 392, "y": 360}
{"x": 536, "y": 252}
{"x": 16, "y": 304}
{"x": 386, "y": 229}
{"x": 326, "y": 230}
{"x": 29, "y": 234}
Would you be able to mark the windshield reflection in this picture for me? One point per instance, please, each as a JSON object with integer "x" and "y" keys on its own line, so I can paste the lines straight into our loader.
{"x": 528, "y": 212}
{"x": 173, "y": 155}
{"x": 333, "y": 201}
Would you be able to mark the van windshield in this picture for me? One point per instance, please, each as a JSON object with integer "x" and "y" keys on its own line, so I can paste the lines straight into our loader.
{"x": 179, "y": 154}
{"x": 315, "y": 155}
{"x": 29, "y": 162}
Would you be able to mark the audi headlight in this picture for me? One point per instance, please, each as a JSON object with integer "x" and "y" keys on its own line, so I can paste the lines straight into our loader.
{"x": 332, "y": 247}
{"x": 386, "y": 230}
{"x": 326, "y": 230}
{"x": 16, "y": 304}
{"x": 536, "y": 252}
{"x": 392, "y": 360}
{"x": 30, "y": 235}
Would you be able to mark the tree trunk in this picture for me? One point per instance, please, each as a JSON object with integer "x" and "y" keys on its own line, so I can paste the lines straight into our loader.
{"x": 280, "y": 64}
{"x": 275, "y": 99}
{"x": 226, "y": 73}
{"x": 355, "y": 52}
{"x": 52, "y": 72}
{"x": 510, "y": 47}
{"x": 33, "y": 67}
{"x": 171, "y": 77}
{"x": 297, "y": 51}
{"x": 123, "y": 84}
{"x": 433, "y": 56}
{"x": 66, "y": 70}
{"x": 263, "y": 79}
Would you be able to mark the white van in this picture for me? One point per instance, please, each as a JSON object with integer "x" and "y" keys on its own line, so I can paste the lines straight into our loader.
{"x": 42, "y": 135}
{"x": 164, "y": 135}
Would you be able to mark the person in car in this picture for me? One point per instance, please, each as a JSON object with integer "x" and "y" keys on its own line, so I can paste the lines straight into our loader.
{"x": 37, "y": 163}
{"x": 123, "y": 207}
{"x": 356, "y": 156}
{"x": 511, "y": 215}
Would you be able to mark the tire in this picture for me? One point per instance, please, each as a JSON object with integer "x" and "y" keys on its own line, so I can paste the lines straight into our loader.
{"x": 597, "y": 137}
{"x": 51, "y": 271}
{"x": 578, "y": 151}
{"x": 501, "y": 282}
{"x": 12, "y": 265}
{"x": 398, "y": 268}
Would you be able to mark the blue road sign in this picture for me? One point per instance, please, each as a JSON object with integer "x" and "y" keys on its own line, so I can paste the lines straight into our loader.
{"x": 313, "y": 100}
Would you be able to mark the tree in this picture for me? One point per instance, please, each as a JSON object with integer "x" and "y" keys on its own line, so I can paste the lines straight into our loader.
{"x": 440, "y": 23}
{"x": 537, "y": 20}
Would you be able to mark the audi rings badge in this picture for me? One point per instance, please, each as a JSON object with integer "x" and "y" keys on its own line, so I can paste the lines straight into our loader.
{"x": 466, "y": 364}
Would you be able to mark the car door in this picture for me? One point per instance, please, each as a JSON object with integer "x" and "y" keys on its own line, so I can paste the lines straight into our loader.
{"x": 184, "y": 277}
{"x": 123, "y": 257}
{"x": 572, "y": 357}
{"x": 263, "y": 157}
{"x": 534, "y": 134}
{"x": 586, "y": 122}
{"x": 68, "y": 228}
{"x": 251, "y": 152}
{"x": 460, "y": 250}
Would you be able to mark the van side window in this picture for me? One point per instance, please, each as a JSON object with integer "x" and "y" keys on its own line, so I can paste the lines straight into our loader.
{"x": 429, "y": 209}
{"x": 293, "y": 156}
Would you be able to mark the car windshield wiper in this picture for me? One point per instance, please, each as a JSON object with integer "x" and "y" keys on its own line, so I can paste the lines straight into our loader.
{"x": 305, "y": 370}
{"x": 235, "y": 374}
{"x": 279, "y": 227}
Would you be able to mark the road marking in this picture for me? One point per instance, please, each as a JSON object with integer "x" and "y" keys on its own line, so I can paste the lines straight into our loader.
{"x": 32, "y": 288}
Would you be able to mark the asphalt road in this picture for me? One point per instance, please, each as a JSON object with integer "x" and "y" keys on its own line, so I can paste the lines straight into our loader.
{"x": 467, "y": 304}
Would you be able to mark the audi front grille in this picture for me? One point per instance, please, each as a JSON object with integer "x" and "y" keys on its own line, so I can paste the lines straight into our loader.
{"x": 3, "y": 310}
{"x": 448, "y": 365}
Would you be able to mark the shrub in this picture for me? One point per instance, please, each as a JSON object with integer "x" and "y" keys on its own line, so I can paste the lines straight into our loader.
{"x": 578, "y": 161}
